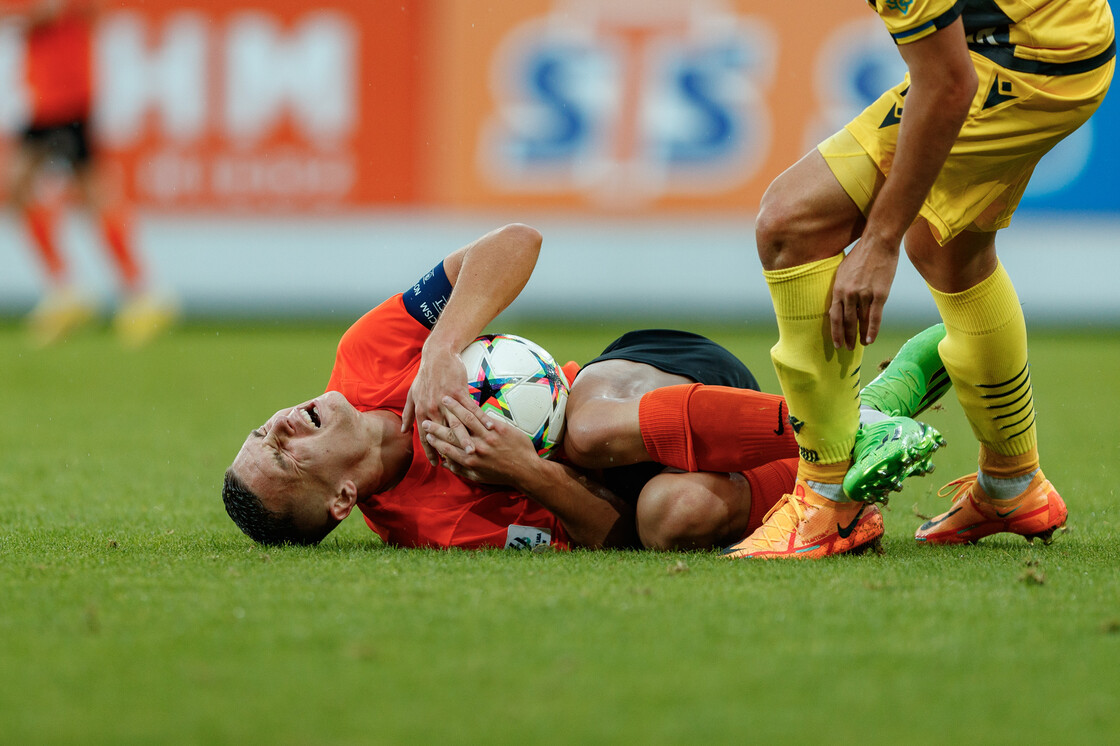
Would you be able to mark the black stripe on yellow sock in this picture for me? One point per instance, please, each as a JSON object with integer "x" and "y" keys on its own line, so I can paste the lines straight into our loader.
{"x": 1021, "y": 407}
{"x": 1024, "y": 374}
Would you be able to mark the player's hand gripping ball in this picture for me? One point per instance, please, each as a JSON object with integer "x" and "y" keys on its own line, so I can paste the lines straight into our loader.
{"x": 518, "y": 380}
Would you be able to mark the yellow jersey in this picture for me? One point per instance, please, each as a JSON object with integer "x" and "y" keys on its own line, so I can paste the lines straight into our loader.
{"x": 1041, "y": 37}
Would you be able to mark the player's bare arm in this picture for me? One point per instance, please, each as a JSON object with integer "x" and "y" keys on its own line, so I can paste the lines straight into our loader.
{"x": 486, "y": 276}
{"x": 503, "y": 455}
{"x": 942, "y": 85}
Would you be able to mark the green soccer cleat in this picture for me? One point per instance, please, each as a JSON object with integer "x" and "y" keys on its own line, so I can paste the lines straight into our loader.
{"x": 888, "y": 452}
{"x": 913, "y": 381}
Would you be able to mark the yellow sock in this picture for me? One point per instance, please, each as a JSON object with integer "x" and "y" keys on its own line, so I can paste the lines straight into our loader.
{"x": 998, "y": 466}
{"x": 985, "y": 353}
{"x": 825, "y": 479}
{"x": 820, "y": 383}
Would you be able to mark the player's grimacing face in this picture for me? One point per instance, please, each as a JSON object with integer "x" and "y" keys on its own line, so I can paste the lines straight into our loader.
{"x": 301, "y": 452}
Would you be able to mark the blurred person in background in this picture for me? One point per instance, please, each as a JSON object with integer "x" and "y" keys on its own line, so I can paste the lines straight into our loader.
{"x": 57, "y": 139}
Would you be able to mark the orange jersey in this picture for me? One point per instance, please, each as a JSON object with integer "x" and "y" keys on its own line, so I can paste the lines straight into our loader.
{"x": 375, "y": 365}
{"x": 59, "y": 66}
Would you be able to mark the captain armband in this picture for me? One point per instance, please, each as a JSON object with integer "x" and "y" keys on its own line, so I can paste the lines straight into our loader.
{"x": 425, "y": 300}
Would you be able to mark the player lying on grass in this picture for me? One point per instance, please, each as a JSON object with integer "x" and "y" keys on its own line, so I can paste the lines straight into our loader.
{"x": 302, "y": 472}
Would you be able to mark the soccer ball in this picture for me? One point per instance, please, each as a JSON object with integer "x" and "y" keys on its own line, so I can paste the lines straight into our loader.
{"x": 518, "y": 380}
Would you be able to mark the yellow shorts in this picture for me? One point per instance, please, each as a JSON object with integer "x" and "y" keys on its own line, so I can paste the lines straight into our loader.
{"x": 1015, "y": 119}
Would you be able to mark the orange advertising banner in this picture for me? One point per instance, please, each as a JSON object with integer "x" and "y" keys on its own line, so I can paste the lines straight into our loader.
{"x": 622, "y": 107}
{"x": 253, "y": 104}
{"x": 639, "y": 106}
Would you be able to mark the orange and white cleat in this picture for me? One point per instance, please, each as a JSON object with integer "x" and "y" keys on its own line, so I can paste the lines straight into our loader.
{"x": 1035, "y": 514}
{"x": 805, "y": 525}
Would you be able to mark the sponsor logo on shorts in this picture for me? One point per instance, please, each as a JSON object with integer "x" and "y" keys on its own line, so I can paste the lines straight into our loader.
{"x": 999, "y": 93}
{"x": 893, "y": 117}
{"x": 902, "y": 6}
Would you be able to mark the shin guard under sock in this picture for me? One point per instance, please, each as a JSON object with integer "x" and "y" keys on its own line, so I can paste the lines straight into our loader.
{"x": 985, "y": 353}
{"x": 821, "y": 383}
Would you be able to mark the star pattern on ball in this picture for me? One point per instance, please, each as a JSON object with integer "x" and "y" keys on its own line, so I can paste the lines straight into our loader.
{"x": 508, "y": 373}
{"x": 489, "y": 391}
{"x": 551, "y": 374}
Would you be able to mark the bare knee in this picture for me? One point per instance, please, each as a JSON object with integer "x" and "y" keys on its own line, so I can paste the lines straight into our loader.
{"x": 672, "y": 514}
{"x": 584, "y": 439}
{"x": 790, "y": 230}
{"x": 29, "y": 161}
{"x": 601, "y": 427}
{"x": 961, "y": 263}
{"x": 20, "y": 191}
{"x": 775, "y": 230}
{"x": 805, "y": 216}
{"x": 604, "y": 436}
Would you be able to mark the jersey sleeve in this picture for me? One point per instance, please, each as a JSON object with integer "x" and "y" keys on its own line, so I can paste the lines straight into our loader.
{"x": 911, "y": 20}
{"x": 378, "y": 356}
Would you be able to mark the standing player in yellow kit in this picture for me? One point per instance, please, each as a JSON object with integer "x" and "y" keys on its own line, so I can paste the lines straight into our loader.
{"x": 942, "y": 159}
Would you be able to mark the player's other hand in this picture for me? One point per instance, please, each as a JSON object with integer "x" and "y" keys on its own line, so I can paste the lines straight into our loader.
{"x": 441, "y": 375}
{"x": 862, "y": 285}
{"x": 478, "y": 446}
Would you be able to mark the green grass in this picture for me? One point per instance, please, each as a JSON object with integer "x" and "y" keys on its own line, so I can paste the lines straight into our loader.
{"x": 132, "y": 610}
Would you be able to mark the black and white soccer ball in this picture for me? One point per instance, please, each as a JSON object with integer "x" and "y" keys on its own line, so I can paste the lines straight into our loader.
{"x": 516, "y": 379}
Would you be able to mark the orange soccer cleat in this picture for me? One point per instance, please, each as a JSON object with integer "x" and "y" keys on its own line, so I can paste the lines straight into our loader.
{"x": 1035, "y": 514}
{"x": 805, "y": 525}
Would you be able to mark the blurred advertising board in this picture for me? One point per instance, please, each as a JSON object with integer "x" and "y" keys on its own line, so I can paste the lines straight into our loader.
{"x": 254, "y": 104}
{"x": 654, "y": 106}
{"x": 616, "y": 108}
{"x": 637, "y": 105}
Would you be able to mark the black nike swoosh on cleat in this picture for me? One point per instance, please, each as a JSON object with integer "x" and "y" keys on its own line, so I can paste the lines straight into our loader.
{"x": 942, "y": 519}
{"x": 846, "y": 531}
{"x": 781, "y": 421}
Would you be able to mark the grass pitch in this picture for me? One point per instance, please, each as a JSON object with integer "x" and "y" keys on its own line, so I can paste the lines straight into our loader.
{"x": 133, "y": 611}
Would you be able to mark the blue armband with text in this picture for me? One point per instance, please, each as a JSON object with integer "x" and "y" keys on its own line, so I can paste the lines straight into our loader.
{"x": 425, "y": 300}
